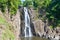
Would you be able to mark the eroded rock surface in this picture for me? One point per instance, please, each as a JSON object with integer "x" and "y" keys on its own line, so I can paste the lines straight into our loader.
{"x": 42, "y": 28}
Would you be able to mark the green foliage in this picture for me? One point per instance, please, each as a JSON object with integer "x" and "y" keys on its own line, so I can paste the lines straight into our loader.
{"x": 41, "y": 3}
{"x": 3, "y": 5}
{"x": 54, "y": 13}
{"x": 7, "y": 33}
{"x": 2, "y": 21}
{"x": 51, "y": 27}
{"x": 27, "y": 3}
{"x": 12, "y": 5}
{"x": 52, "y": 9}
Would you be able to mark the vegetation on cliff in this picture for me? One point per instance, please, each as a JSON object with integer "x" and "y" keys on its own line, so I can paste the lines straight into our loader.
{"x": 7, "y": 29}
{"x": 50, "y": 8}
{"x": 11, "y": 5}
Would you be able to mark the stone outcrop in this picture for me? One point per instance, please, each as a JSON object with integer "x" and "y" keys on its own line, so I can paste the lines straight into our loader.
{"x": 14, "y": 21}
{"x": 42, "y": 29}
{"x": 39, "y": 27}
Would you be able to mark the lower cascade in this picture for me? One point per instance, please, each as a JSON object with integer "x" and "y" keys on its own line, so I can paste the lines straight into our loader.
{"x": 27, "y": 30}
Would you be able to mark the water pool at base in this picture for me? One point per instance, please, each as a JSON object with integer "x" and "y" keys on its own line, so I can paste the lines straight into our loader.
{"x": 33, "y": 38}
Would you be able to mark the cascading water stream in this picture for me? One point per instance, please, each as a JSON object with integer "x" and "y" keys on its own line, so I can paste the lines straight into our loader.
{"x": 27, "y": 30}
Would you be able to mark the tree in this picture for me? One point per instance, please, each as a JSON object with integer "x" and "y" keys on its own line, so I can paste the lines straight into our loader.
{"x": 53, "y": 12}
{"x": 41, "y": 3}
{"x": 27, "y": 3}
{"x": 12, "y": 5}
{"x": 3, "y": 5}
{"x": 51, "y": 8}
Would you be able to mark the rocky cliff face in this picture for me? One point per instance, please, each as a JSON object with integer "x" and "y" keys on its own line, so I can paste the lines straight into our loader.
{"x": 14, "y": 21}
{"x": 39, "y": 28}
{"x": 42, "y": 28}
{"x": 38, "y": 24}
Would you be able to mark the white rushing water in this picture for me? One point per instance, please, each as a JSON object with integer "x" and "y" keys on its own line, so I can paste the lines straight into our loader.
{"x": 27, "y": 30}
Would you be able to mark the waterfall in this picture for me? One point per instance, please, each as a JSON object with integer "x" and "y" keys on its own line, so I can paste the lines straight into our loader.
{"x": 27, "y": 30}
